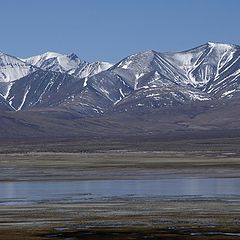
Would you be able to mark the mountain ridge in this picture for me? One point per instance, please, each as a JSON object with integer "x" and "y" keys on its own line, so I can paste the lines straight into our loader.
{"x": 140, "y": 81}
{"x": 151, "y": 95}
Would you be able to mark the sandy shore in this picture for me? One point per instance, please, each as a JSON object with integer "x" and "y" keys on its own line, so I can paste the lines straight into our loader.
{"x": 126, "y": 218}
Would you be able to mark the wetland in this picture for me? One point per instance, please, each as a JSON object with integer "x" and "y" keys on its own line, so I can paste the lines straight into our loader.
{"x": 120, "y": 195}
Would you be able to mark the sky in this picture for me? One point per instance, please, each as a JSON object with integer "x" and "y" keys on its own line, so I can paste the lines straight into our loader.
{"x": 110, "y": 30}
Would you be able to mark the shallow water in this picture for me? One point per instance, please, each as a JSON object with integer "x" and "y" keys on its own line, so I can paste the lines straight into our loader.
{"x": 24, "y": 192}
{"x": 215, "y": 233}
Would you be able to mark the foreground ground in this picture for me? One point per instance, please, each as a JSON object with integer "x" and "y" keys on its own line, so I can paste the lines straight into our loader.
{"x": 123, "y": 218}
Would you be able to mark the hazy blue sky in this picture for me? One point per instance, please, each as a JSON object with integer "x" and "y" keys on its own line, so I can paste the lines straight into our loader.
{"x": 112, "y": 29}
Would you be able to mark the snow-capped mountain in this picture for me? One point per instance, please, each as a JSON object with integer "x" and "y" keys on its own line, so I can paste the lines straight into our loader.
{"x": 90, "y": 69}
{"x": 71, "y": 64}
{"x": 150, "y": 79}
{"x": 211, "y": 71}
{"x": 56, "y": 68}
{"x": 55, "y": 61}
{"x": 213, "y": 67}
{"x": 12, "y": 68}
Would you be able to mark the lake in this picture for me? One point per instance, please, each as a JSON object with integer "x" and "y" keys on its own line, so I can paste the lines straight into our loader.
{"x": 25, "y": 192}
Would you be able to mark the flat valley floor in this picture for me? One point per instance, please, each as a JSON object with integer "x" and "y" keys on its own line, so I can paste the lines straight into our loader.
{"x": 124, "y": 217}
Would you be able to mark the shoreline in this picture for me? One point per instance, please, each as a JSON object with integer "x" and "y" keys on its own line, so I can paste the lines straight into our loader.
{"x": 170, "y": 218}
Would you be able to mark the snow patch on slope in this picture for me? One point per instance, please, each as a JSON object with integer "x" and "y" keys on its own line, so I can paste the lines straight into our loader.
{"x": 12, "y": 68}
{"x": 90, "y": 69}
{"x": 203, "y": 64}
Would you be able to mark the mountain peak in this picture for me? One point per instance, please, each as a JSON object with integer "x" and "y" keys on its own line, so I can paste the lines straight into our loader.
{"x": 221, "y": 45}
{"x": 73, "y": 56}
{"x": 13, "y": 68}
{"x": 146, "y": 79}
{"x": 54, "y": 61}
{"x": 211, "y": 44}
{"x": 51, "y": 54}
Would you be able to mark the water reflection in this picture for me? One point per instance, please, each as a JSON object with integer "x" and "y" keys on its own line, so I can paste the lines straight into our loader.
{"x": 9, "y": 190}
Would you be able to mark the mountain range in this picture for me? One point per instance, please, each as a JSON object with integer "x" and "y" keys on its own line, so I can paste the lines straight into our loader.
{"x": 54, "y": 84}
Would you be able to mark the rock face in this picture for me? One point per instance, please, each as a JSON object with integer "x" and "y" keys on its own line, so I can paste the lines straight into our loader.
{"x": 147, "y": 80}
